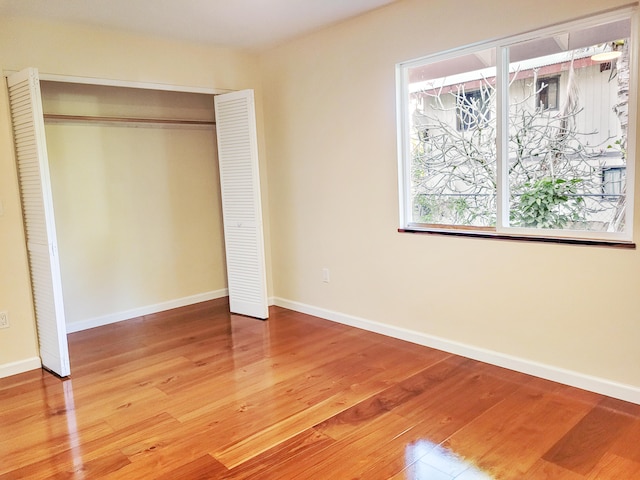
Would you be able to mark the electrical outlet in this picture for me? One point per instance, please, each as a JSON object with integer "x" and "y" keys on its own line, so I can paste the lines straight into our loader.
{"x": 4, "y": 320}
{"x": 325, "y": 275}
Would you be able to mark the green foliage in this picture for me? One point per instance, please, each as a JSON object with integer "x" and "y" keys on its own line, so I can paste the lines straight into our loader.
{"x": 548, "y": 203}
{"x": 619, "y": 145}
{"x": 434, "y": 209}
{"x": 452, "y": 210}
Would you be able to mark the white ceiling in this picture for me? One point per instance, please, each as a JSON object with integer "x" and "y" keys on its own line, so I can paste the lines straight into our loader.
{"x": 249, "y": 24}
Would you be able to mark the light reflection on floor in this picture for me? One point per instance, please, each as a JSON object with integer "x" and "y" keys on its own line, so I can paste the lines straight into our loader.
{"x": 428, "y": 461}
{"x": 72, "y": 429}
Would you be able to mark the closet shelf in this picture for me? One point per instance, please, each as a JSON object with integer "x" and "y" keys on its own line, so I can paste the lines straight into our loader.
{"x": 98, "y": 119}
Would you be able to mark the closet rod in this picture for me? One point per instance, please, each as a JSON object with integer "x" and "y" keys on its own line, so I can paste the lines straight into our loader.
{"x": 93, "y": 118}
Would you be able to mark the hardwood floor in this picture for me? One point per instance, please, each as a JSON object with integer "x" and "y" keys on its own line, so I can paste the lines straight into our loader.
{"x": 197, "y": 393}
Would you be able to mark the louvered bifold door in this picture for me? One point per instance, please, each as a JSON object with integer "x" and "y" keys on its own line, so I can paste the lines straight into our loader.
{"x": 241, "y": 206}
{"x": 37, "y": 208}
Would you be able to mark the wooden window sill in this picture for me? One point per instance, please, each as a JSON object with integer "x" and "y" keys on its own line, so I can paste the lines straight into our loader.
{"x": 519, "y": 238}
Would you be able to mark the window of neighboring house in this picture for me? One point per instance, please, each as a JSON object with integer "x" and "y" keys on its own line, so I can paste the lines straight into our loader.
{"x": 548, "y": 93}
{"x": 473, "y": 109}
{"x": 613, "y": 182}
{"x": 489, "y": 143}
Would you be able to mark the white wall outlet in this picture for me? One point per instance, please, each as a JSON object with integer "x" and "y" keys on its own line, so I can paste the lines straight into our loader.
{"x": 325, "y": 275}
{"x": 4, "y": 320}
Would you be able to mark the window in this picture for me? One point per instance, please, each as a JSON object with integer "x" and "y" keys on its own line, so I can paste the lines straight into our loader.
{"x": 613, "y": 182}
{"x": 548, "y": 92}
{"x": 526, "y": 136}
{"x": 474, "y": 109}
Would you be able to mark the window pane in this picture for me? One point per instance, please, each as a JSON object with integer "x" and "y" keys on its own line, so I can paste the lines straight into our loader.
{"x": 452, "y": 139}
{"x": 566, "y": 160}
{"x": 547, "y": 91}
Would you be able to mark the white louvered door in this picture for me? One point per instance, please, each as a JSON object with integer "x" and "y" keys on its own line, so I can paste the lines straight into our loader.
{"x": 241, "y": 206}
{"x": 37, "y": 207}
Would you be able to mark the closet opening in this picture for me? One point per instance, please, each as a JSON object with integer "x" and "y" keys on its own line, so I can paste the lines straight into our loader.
{"x": 133, "y": 178}
{"x": 135, "y": 186}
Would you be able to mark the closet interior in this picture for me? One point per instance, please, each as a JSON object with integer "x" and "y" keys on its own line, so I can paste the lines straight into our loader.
{"x": 136, "y": 194}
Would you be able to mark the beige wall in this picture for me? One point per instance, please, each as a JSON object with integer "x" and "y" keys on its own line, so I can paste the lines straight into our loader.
{"x": 93, "y": 52}
{"x": 331, "y": 137}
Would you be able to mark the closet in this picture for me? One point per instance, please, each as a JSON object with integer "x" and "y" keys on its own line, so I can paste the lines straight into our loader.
{"x": 123, "y": 202}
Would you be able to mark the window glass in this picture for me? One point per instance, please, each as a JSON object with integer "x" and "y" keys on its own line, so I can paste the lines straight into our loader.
{"x": 452, "y": 139}
{"x": 557, "y": 153}
{"x": 613, "y": 181}
{"x": 547, "y": 91}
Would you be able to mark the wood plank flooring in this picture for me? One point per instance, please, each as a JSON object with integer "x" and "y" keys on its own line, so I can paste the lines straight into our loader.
{"x": 197, "y": 393}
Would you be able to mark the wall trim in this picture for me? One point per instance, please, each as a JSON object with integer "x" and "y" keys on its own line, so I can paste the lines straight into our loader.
{"x": 572, "y": 378}
{"x": 111, "y": 82}
{"x": 115, "y": 317}
{"x": 21, "y": 366}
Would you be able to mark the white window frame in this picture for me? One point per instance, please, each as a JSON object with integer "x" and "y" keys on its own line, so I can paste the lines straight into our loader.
{"x": 501, "y": 47}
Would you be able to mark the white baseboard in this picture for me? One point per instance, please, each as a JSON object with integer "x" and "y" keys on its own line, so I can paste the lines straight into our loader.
{"x": 603, "y": 386}
{"x": 146, "y": 310}
{"x": 14, "y": 368}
